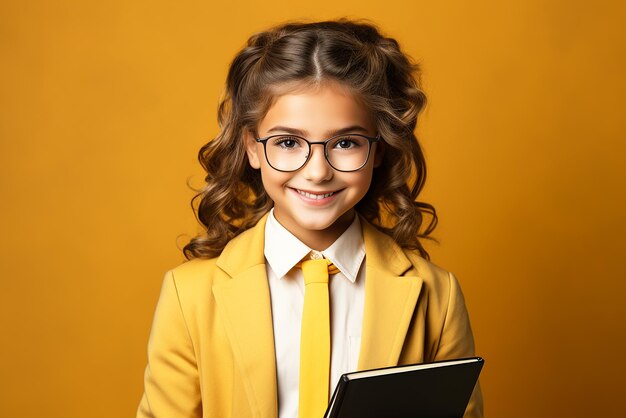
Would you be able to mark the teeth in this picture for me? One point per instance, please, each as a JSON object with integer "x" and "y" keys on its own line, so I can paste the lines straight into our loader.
{"x": 315, "y": 196}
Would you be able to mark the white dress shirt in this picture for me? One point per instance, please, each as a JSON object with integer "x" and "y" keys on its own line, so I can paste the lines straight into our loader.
{"x": 346, "y": 290}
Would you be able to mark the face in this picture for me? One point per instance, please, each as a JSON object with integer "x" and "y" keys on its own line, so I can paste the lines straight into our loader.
{"x": 316, "y": 113}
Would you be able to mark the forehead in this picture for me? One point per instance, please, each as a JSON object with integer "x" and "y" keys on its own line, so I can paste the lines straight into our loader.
{"x": 316, "y": 109}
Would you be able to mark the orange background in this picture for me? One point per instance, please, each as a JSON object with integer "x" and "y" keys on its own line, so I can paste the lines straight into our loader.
{"x": 104, "y": 105}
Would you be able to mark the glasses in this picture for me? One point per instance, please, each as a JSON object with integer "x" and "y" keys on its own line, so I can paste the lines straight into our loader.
{"x": 345, "y": 152}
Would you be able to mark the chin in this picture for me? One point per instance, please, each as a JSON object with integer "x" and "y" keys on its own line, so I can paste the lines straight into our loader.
{"x": 315, "y": 224}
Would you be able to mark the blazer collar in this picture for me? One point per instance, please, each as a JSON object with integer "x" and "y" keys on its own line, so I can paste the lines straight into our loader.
{"x": 245, "y": 250}
{"x": 382, "y": 251}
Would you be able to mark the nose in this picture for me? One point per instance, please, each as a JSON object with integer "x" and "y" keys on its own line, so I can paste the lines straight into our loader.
{"x": 317, "y": 168}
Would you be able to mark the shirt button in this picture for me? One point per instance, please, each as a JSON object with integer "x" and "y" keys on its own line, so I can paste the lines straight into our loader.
{"x": 316, "y": 255}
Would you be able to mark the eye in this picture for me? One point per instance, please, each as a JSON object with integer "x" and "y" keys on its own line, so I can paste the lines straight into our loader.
{"x": 347, "y": 142}
{"x": 286, "y": 142}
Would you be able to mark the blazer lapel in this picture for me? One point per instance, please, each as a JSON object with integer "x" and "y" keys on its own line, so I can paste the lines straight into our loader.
{"x": 243, "y": 299}
{"x": 390, "y": 300}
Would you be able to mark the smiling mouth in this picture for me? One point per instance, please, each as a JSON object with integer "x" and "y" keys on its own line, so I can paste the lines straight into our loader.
{"x": 314, "y": 195}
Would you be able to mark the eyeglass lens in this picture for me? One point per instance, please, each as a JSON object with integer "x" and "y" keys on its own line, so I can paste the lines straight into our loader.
{"x": 289, "y": 153}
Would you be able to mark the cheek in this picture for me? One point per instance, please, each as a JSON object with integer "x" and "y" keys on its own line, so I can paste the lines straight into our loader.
{"x": 273, "y": 180}
{"x": 362, "y": 182}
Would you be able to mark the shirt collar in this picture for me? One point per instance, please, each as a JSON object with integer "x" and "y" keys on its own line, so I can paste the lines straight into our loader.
{"x": 283, "y": 250}
{"x": 348, "y": 251}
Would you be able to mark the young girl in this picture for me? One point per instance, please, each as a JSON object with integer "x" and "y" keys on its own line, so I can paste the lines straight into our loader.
{"x": 310, "y": 265}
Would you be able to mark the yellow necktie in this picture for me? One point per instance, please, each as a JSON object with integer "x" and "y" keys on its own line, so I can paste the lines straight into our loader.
{"x": 315, "y": 339}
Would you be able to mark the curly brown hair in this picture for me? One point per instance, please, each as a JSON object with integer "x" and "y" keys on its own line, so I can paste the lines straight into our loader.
{"x": 353, "y": 53}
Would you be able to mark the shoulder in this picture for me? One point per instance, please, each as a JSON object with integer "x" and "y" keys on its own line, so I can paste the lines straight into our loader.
{"x": 197, "y": 276}
{"x": 385, "y": 253}
{"x": 442, "y": 294}
{"x": 191, "y": 278}
{"x": 240, "y": 253}
{"x": 424, "y": 268}
{"x": 438, "y": 283}
{"x": 193, "y": 271}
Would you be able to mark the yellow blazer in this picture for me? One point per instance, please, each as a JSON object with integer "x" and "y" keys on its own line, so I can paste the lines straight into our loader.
{"x": 211, "y": 348}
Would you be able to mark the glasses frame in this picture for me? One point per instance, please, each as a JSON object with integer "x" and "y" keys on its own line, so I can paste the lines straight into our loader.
{"x": 370, "y": 141}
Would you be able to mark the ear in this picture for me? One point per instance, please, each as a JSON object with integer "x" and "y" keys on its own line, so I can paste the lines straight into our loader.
{"x": 252, "y": 149}
{"x": 379, "y": 153}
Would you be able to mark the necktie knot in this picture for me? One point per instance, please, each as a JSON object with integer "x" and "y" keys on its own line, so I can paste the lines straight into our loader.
{"x": 316, "y": 271}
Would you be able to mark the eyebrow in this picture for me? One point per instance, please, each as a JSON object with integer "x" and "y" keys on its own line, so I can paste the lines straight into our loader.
{"x": 300, "y": 132}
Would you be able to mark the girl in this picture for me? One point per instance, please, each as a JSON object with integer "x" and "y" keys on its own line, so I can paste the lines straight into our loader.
{"x": 316, "y": 163}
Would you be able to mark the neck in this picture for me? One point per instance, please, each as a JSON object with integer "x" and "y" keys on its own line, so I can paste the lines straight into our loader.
{"x": 319, "y": 240}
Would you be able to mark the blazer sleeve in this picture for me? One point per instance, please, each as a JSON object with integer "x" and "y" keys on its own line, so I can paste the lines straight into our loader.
{"x": 457, "y": 340}
{"x": 171, "y": 382}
